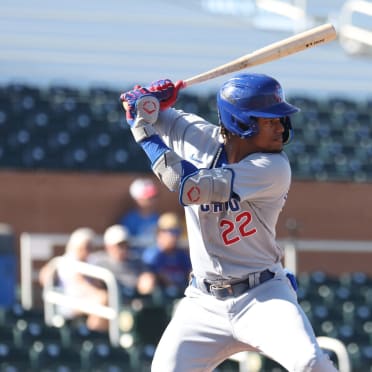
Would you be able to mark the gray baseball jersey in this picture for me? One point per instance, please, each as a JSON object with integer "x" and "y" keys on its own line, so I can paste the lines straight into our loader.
{"x": 229, "y": 240}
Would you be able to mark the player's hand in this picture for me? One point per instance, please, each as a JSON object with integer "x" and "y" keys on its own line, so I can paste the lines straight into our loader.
{"x": 140, "y": 102}
{"x": 166, "y": 92}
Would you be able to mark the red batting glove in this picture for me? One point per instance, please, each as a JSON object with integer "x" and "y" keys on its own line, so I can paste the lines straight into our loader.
{"x": 166, "y": 92}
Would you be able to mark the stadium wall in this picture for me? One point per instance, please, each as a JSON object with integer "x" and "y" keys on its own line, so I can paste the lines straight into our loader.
{"x": 47, "y": 202}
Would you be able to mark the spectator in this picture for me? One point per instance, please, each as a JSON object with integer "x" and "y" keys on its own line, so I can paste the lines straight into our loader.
{"x": 117, "y": 258}
{"x": 167, "y": 259}
{"x": 142, "y": 219}
{"x": 74, "y": 284}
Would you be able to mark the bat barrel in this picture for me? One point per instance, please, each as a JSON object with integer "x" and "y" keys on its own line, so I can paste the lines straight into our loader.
{"x": 294, "y": 44}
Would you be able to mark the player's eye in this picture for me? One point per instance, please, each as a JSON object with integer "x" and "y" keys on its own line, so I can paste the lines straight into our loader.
{"x": 273, "y": 121}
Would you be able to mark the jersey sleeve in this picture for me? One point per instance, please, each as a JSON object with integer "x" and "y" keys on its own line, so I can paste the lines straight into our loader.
{"x": 189, "y": 136}
{"x": 262, "y": 176}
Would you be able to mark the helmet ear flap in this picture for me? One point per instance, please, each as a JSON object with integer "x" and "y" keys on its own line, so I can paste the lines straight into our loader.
{"x": 288, "y": 131}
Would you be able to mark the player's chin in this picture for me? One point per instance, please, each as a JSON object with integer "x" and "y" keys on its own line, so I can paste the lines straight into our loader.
{"x": 277, "y": 146}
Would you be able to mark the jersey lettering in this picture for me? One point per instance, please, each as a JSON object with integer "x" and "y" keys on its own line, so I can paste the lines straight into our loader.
{"x": 233, "y": 231}
{"x": 231, "y": 205}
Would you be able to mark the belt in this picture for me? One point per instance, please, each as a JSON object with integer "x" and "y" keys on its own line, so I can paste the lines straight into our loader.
{"x": 222, "y": 291}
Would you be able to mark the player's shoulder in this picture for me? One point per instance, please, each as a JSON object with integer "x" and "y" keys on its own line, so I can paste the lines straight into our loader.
{"x": 266, "y": 160}
{"x": 272, "y": 168}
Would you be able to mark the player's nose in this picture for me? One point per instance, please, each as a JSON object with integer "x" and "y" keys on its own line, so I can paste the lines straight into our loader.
{"x": 279, "y": 126}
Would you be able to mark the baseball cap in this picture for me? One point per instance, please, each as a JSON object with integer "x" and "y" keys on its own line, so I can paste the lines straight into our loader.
{"x": 143, "y": 188}
{"x": 80, "y": 236}
{"x": 115, "y": 234}
{"x": 169, "y": 221}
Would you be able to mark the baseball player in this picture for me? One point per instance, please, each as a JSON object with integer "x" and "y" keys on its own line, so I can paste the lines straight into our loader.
{"x": 233, "y": 181}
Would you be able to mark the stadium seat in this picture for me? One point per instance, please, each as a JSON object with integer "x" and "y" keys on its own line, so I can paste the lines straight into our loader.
{"x": 10, "y": 315}
{"x": 51, "y": 356}
{"x": 355, "y": 279}
{"x": 74, "y": 129}
{"x": 328, "y": 328}
{"x": 78, "y": 333}
{"x": 27, "y": 332}
{"x": 355, "y": 356}
{"x": 148, "y": 324}
{"x": 13, "y": 359}
{"x": 101, "y": 356}
{"x": 366, "y": 355}
{"x": 7, "y": 335}
{"x": 326, "y": 294}
{"x": 188, "y": 102}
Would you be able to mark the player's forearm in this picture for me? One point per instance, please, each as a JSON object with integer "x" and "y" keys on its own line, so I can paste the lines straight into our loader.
{"x": 165, "y": 163}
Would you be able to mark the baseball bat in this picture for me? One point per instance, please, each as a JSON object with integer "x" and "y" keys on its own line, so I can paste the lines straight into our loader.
{"x": 283, "y": 48}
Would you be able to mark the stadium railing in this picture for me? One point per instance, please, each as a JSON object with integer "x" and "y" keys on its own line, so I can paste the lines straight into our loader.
{"x": 52, "y": 296}
{"x": 293, "y": 247}
{"x": 40, "y": 247}
{"x": 355, "y": 35}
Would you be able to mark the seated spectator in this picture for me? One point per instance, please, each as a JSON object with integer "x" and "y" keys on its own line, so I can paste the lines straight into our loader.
{"x": 116, "y": 257}
{"x": 74, "y": 284}
{"x": 167, "y": 260}
{"x": 142, "y": 219}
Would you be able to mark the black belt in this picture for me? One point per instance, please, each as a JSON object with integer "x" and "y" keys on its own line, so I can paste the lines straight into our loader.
{"x": 222, "y": 291}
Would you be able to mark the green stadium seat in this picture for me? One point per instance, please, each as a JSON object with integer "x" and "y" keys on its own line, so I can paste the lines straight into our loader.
{"x": 51, "y": 356}
{"x": 13, "y": 359}
{"x": 101, "y": 356}
{"x": 78, "y": 333}
{"x": 9, "y": 316}
{"x": 27, "y": 332}
{"x": 354, "y": 352}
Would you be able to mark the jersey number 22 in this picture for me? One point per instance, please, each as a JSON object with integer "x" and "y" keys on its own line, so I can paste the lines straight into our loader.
{"x": 235, "y": 230}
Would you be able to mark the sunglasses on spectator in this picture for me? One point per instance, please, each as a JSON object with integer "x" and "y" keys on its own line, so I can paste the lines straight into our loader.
{"x": 172, "y": 231}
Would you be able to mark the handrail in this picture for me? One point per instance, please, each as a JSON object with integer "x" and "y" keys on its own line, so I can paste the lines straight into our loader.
{"x": 35, "y": 246}
{"x": 339, "y": 349}
{"x": 292, "y": 247}
{"x": 349, "y": 31}
{"x": 53, "y": 296}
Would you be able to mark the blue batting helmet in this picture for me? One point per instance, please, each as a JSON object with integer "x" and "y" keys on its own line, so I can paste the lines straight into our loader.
{"x": 246, "y": 97}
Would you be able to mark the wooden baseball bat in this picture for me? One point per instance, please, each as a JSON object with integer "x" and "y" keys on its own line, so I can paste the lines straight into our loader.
{"x": 294, "y": 44}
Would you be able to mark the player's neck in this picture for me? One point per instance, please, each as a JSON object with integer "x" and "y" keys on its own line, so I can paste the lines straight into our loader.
{"x": 238, "y": 148}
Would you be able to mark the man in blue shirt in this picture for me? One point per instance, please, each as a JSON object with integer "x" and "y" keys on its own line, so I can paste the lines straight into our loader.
{"x": 167, "y": 259}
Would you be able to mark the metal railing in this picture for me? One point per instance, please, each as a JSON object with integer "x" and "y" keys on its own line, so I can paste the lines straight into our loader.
{"x": 53, "y": 296}
{"x": 293, "y": 247}
{"x": 354, "y": 37}
{"x": 35, "y": 247}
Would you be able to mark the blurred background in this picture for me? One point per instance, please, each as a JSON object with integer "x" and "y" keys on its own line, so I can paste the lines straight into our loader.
{"x": 67, "y": 159}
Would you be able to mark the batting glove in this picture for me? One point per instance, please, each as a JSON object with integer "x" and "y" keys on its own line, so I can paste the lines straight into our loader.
{"x": 142, "y": 109}
{"x": 166, "y": 92}
{"x": 129, "y": 100}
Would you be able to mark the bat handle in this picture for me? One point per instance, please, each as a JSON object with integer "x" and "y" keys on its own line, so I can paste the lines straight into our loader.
{"x": 180, "y": 84}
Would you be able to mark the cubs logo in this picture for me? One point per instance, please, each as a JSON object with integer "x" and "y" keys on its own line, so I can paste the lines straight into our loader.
{"x": 149, "y": 106}
{"x": 193, "y": 194}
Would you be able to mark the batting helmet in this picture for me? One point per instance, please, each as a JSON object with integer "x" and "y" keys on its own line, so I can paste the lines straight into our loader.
{"x": 246, "y": 97}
